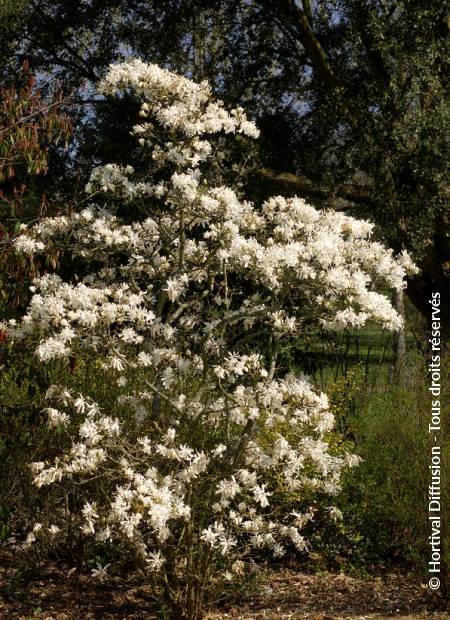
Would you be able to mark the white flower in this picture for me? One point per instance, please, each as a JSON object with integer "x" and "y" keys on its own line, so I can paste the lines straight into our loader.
{"x": 335, "y": 513}
{"x": 278, "y": 550}
{"x": 53, "y": 530}
{"x": 28, "y": 245}
{"x": 52, "y": 348}
{"x": 219, "y": 450}
{"x": 56, "y": 418}
{"x": 261, "y": 495}
{"x": 209, "y": 536}
{"x": 37, "y": 467}
{"x": 175, "y": 286}
{"x": 228, "y": 489}
{"x": 116, "y": 363}
{"x": 155, "y": 561}
{"x": 100, "y": 572}
{"x": 80, "y": 404}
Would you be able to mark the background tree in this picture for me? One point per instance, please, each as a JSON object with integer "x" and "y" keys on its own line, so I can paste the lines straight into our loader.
{"x": 350, "y": 96}
{"x": 31, "y": 129}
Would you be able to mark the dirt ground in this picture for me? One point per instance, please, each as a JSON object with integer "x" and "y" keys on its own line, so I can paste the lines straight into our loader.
{"x": 61, "y": 593}
{"x": 298, "y": 596}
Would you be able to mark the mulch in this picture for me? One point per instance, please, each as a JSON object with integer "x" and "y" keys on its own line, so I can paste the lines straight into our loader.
{"x": 58, "y": 592}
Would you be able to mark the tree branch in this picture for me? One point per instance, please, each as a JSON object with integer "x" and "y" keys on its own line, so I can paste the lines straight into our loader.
{"x": 307, "y": 9}
{"x": 46, "y": 108}
{"x": 350, "y": 191}
{"x": 298, "y": 18}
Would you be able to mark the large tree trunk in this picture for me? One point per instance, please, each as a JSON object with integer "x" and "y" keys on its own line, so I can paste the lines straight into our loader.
{"x": 434, "y": 277}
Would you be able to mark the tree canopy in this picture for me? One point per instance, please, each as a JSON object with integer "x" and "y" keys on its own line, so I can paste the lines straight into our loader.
{"x": 351, "y": 97}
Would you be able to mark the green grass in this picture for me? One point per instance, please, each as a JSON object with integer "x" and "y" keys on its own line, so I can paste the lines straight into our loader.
{"x": 369, "y": 352}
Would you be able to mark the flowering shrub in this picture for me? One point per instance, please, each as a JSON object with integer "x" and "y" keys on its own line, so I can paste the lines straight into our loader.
{"x": 186, "y": 310}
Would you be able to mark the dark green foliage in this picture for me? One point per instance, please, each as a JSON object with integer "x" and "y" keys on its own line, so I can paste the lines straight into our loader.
{"x": 385, "y": 499}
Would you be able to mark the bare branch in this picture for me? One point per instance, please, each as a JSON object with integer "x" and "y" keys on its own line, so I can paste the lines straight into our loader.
{"x": 307, "y": 9}
{"x": 300, "y": 20}
{"x": 349, "y": 191}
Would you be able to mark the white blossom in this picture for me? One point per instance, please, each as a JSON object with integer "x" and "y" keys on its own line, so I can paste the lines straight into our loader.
{"x": 197, "y": 424}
